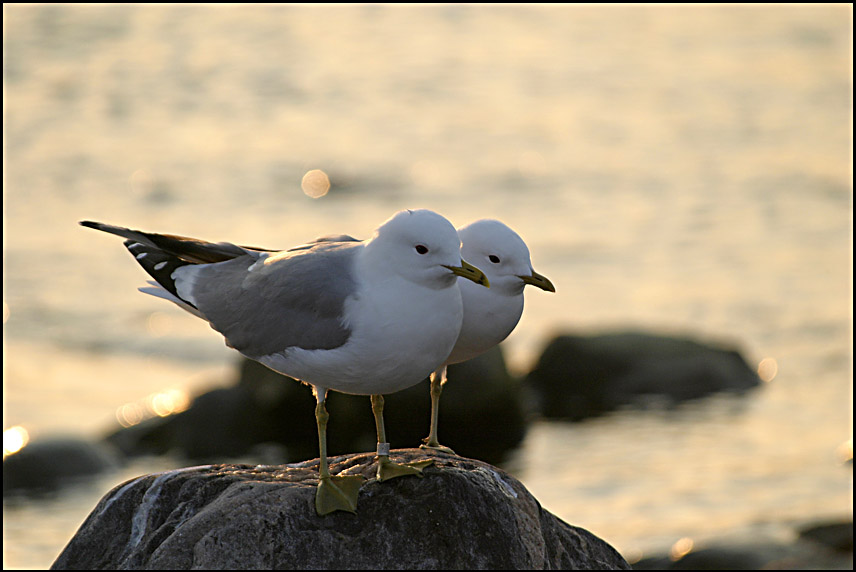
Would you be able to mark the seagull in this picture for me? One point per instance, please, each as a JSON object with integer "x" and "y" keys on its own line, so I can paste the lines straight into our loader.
{"x": 489, "y": 314}
{"x": 361, "y": 317}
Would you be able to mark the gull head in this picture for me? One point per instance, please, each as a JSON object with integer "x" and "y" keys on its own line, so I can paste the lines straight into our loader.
{"x": 502, "y": 255}
{"x": 423, "y": 247}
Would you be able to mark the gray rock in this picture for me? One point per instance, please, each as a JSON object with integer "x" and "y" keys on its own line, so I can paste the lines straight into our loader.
{"x": 464, "y": 514}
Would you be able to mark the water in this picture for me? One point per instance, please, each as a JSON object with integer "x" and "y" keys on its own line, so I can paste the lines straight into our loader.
{"x": 676, "y": 169}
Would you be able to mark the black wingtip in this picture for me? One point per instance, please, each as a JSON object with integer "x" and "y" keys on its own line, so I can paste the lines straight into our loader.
{"x": 90, "y": 224}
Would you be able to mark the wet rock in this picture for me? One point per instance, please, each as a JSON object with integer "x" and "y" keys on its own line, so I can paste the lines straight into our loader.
{"x": 482, "y": 415}
{"x": 583, "y": 376}
{"x": 50, "y": 464}
{"x": 464, "y": 514}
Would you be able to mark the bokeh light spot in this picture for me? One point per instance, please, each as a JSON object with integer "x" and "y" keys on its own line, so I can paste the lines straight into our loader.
{"x": 680, "y": 549}
{"x": 141, "y": 182}
{"x": 129, "y": 414}
{"x": 159, "y": 324}
{"x": 168, "y": 402}
{"x": 767, "y": 369}
{"x": 14, "y": 439}
{"x": 845, "y": 451}
{"x": 315, "y": 183}
{"x": 159, "y": 404}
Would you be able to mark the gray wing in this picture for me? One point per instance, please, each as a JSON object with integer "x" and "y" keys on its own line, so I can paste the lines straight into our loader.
{"x": 288, "y": 299}
{"x": 325, "y": 238}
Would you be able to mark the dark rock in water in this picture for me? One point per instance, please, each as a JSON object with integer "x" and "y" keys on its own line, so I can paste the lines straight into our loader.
{"x": 464, "y": 514}
{"x": 582, "y": 376}
{"x": 754, "y": 553}
{"x": 222, "y": 423}
{"x": 835, "y": 535}
{"x": 715, "y": 558}
{"x": 481, "y": 414}
{"x": 49, "y": 464}
{"x": 482, "y": 410}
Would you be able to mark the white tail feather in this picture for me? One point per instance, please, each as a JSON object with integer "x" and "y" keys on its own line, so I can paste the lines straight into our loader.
{"x": 158, "y": 291}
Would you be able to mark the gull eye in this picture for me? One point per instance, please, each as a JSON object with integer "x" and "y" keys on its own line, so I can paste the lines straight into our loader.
{"x": 493, "y": 258}
{"x": 421, "y": 249}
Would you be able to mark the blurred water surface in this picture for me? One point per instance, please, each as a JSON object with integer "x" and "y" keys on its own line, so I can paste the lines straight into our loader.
{"x": 677, "y": 169}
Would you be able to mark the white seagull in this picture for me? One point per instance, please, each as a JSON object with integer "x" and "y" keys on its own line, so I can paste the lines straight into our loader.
{"x": 489, "y": 314}
{"x": 362, "y": 317}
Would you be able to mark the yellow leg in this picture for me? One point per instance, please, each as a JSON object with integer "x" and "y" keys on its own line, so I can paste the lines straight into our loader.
{"x": 386, "y": 469}
{"x": 333, "y": 493}
{"x": 438, "y": 378}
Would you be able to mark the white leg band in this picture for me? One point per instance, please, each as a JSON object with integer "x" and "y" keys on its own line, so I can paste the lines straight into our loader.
{"x": 383, "y": 449}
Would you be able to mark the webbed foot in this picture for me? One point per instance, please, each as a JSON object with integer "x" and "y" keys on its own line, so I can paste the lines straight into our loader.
{"x": 436, "y": 447}
{"x": 337, "y": 493}
{"x": 387, "y": 470}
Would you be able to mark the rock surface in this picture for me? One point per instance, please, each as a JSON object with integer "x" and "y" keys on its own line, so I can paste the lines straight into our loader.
{"x": 464, "y": 514}
{"x": 583, "y": 376}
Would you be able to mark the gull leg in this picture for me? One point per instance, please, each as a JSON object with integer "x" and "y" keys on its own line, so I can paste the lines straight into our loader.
{"x": 333, "y": 493}
{"x": 386, "y": 469}
{"x": 438, "y": 378}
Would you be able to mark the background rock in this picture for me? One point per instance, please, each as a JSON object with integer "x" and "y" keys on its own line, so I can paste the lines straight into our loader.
{"x": 50, "y": 464}
{"x": 482, "y": 415}
{"x": 582, "y": 376}
{"x": 756, "y": 553}
{"x": 835, "y": 535}
{"x": 464, "y": 514}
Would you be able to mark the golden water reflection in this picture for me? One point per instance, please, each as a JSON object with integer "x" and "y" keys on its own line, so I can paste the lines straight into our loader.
{"x": 158, "y": 404}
